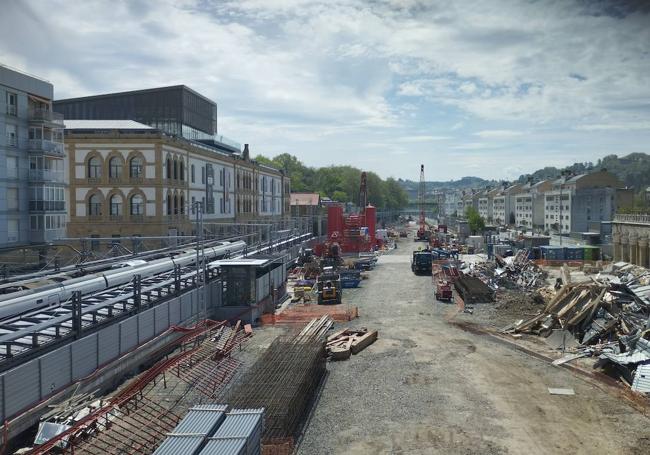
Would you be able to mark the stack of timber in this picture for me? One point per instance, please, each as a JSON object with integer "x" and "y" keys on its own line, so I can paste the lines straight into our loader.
{"x": 345, "y": 342}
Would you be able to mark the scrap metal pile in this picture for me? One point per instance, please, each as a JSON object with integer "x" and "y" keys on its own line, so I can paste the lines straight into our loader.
{"x": 609, "y": 318}
{"x": 514, "y": 272}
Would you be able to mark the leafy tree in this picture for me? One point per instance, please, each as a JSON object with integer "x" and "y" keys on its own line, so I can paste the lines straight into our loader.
{"x": 475, "y": 221}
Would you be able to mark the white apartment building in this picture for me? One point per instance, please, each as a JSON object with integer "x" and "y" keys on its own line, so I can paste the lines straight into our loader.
{"x": 485, "y": 204}
{"x": 503, "y": 210}
{"x": 529, "y": 205}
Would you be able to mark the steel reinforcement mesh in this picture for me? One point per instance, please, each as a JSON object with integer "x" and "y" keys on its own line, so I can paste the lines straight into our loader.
{"x": 284, "y": 381}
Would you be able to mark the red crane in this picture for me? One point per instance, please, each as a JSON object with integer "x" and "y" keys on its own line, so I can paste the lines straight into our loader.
{"x": 422, "y": 234}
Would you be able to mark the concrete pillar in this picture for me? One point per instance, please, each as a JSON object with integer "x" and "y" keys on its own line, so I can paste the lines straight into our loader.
{"x": 616, "y": 246}
{"x": 633, "y": 248}
{"x": 643, "y": 252}
{"x": 625, "y": 250}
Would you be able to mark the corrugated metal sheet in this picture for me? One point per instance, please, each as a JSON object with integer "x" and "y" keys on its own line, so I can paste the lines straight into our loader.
{"x": 641, "y": 379}
{"x": 186, "y": 306}
{"x": 174, "y": 311}
{"x": 56, "y": 371}
{"x": 84, "y": 356}
{"x": 243, "y": 423}
{"x": 225, "y": 446}
{"x": 128, "y": 334}
{"x": 161, "y": 318}
{"x": 22, "y": 387}
{"x": 2, "y": 396}
{"x": 145, "y": 326}
{"x": 641, "y": 353}
{"x": 109, "y": 343}
{"x": 202, "y": 419}
{"x": 177, "y": 445}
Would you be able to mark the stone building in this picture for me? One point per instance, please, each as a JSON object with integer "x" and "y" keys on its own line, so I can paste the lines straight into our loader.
{"x": 630, "y": 237}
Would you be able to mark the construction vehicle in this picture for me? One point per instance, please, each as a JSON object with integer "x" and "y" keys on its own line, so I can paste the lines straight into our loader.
{"x": 422, "y": 235}
{"x": 443, "y": 291}
{"x": 421, "y": 262}
{"x": 329, "y": 287}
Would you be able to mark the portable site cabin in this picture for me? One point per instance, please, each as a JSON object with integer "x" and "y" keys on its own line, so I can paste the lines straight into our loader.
{"x": 252, "y": 286}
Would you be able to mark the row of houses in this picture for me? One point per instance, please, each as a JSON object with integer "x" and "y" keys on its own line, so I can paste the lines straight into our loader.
{"x": 578, "y": 203}
{"x": 139, "y": 163}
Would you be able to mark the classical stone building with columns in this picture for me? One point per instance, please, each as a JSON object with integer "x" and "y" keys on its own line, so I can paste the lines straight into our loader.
{"x": 630, "y": 237}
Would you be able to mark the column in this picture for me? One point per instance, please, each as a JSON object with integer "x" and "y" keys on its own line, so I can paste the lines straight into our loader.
{"x": 643, "y": 252}
{"x": 616, "y": 246}
{"x": 633, "y": 247}
{"x": 625, "y": 250}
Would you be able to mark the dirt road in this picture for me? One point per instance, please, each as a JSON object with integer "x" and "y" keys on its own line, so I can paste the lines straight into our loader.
{"x": 427, "y": 387}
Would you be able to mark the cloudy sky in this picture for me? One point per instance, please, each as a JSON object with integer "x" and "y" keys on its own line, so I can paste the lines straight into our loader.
{"x": 486, "y": 88}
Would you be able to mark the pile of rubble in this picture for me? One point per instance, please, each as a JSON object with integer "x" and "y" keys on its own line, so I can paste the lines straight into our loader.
{"x": 514, "y": 272}
{"x": 607, "y": 317}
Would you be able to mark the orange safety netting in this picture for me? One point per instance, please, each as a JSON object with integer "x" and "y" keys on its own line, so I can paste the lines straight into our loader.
{"x": 302, "y": 313}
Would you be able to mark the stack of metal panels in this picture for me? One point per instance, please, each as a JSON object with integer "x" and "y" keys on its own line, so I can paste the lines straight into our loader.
{"x": 246, "y": 424}
{"x": 189, "y": 435}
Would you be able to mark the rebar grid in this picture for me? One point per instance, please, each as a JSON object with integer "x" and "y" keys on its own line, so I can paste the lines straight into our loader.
{"x": 283, "y": 381}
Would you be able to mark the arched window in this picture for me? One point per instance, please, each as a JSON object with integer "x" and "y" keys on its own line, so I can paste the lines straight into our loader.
{"x": 175, "y": 205}
{"x": 181, "y": 170}
{"x": 116, "y": 205}
{"x": 115, "y": 168}
{"x": 192, "y": 171}
{"x": 94, "y": 205}
{"x": 94, "y": 168}
{"x": 169, "y": 204}
{"x": 182, "y": 205}
{"x": 137, "y": 205}
{"x": 175, "y": 169}
{"x": 169, "y": 168}
{"x": 135, "y": 167}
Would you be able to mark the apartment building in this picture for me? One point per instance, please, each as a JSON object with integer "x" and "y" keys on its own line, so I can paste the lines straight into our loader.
{"x": 529, "y": 205}
{"x": 32, "y": 168}
{"x": 129, "y": 179}
{"x": 451, "y": 200}
{"x": 580, "y": 203}
{"x": 503, "y": 205}
{"x": 485, "y": 204}
{"x": 470, "y": 199}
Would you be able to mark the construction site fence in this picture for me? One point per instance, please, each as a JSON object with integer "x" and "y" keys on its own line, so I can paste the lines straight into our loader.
{"x": 570, "y": 263}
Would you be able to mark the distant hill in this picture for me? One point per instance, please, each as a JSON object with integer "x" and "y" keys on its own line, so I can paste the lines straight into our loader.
{"x": 412, "y": 187}
{"x": 633, "y": 170}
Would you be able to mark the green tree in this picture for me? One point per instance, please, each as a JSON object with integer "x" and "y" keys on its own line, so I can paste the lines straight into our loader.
{"x": 475, "y": 221}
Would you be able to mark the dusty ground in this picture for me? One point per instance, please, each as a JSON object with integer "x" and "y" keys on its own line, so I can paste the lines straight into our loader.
{"x": 427, "y": 387}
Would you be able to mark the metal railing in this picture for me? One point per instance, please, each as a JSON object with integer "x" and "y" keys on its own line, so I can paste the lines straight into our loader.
{"x": 12, "y": 110}
{"x": 46, "y": 175}
{"x": 46, "y": 146}
{"x": 643, "y": 218}
{"x": 47, "y": 115}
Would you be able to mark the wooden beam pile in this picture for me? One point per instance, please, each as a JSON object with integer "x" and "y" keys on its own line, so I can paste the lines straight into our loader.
{"x": 573, "y": 307}
{"x": 345, "y": 342}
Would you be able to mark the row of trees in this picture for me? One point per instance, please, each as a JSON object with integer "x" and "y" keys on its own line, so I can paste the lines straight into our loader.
{"x": 340, "y": 183}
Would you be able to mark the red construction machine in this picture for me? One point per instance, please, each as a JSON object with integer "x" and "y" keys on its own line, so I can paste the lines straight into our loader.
{"x": 443, "y": 291}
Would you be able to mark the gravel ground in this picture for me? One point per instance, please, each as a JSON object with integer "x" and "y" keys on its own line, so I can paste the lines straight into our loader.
{"x": 427, "y": 386}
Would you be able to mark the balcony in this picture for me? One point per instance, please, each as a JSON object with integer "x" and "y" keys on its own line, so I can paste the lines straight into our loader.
{"x": 46, "y": 115}
{"x": 47, "y": 206}
{"x": 637, "y": 218}
{"x": 45, "y": 175}
{"x": 12, "y": 110}
{"x": 46, "y": 147}
{"x": 10, "y": 140}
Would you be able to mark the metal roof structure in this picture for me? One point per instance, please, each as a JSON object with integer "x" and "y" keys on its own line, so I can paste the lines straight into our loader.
{"x": 105, "y": 125}
{"x": 180, "y": 444}
{"x": 225, "y": 446}
{"x": 202, "y": 419}
{"x": 641, "y": 379}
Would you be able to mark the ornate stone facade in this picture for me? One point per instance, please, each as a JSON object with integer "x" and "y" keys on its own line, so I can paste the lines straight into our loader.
{"x": 630, "y": 239}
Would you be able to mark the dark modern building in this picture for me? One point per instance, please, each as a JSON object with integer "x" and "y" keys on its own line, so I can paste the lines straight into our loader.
{"x": 177, "y": 110}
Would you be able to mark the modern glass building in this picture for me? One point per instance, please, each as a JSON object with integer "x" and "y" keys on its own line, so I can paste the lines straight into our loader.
{"x": 177, "y": 110}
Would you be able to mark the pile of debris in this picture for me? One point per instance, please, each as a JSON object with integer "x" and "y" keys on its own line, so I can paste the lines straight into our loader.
{"x": 609, "y": 318}
{"x": 473, "y": 290}
{"x": 514, "y": 272}
{"x": 345, "y": 342}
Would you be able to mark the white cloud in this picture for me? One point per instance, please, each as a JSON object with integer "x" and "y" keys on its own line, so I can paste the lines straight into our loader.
{"x": 322, "y": 78}
{"x": 499, "y": 134}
